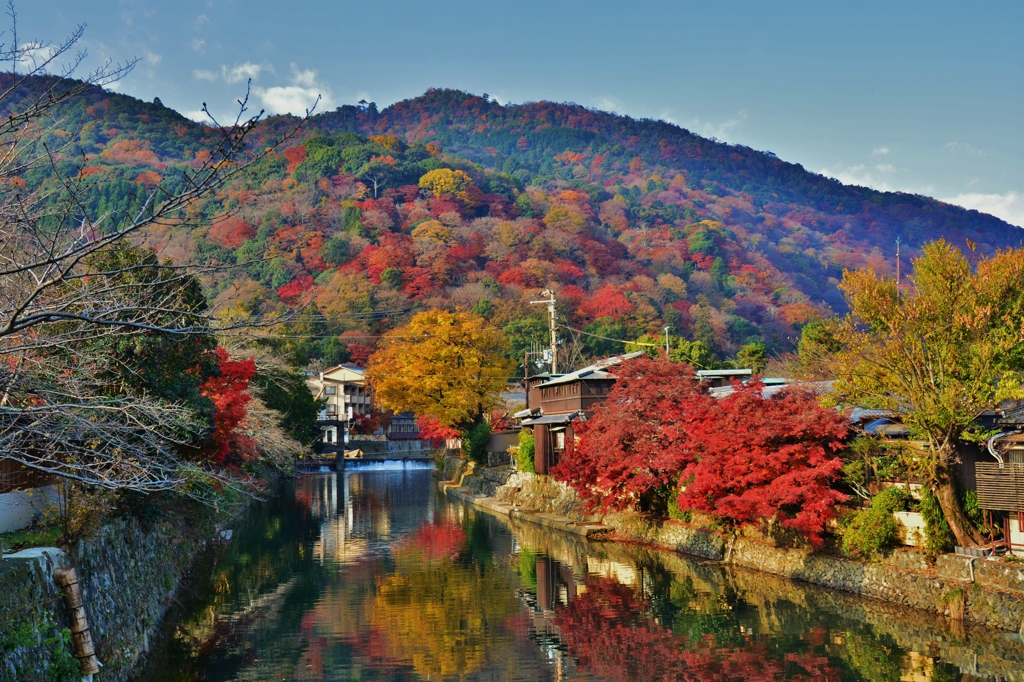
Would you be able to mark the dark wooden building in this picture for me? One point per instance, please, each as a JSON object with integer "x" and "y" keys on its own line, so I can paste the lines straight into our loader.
{"x": 1000, "y": 481}
{"x": 555, "y": 402}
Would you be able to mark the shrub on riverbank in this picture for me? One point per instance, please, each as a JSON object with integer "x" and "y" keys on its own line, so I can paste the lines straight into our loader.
{"x": 873, "y": 530}
{"x": 524, "y": 453}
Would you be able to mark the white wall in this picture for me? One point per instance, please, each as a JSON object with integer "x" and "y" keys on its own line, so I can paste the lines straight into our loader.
{"x": 18, "y": 509}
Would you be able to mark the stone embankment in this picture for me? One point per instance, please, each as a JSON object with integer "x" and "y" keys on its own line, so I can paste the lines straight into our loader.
{"x": 991, "y": 589}
{"x": 129, "y": 575}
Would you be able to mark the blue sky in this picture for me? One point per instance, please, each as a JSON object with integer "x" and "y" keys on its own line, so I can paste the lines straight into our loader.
{"x": 918, "y": 96}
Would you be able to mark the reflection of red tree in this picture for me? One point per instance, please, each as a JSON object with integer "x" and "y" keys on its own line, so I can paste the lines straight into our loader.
{"x": 437, "y": 540}
{"x": 609, "y": 632}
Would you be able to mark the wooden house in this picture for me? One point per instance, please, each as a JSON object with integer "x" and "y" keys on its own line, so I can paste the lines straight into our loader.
{"x": 555, "y": 402}
{"x": 1000, "y": 481}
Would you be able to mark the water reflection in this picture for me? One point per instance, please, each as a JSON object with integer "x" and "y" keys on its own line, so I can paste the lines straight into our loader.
{"x": 374, "y": 576}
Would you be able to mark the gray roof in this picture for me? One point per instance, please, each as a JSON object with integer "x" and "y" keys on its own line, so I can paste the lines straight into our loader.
{"x": 818, "y": 387}
{"x": 551, "y": 419}
{"x": 594, "y": 371}
{"x": 708, "y": 373}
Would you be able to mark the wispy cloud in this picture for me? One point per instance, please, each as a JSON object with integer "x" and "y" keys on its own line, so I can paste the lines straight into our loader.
{"x": 720, "y": 130}
{"x": 964, "y": 148}
{"x": 1008, "y": 206}
{"x": 879, "y": 151}
{"x": 297, "y": 97}
{"x": 881, "y": 176}
{"x": 197, "y": 115}
{"x": 609, "y": 104}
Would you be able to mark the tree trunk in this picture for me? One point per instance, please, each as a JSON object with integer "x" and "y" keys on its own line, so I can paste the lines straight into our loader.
{"x": 963, "y": 530}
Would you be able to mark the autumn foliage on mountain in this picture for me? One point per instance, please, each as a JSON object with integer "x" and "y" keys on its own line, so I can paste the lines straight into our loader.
{"x": 451, "y": 200}
{"x": 742, "y": 458}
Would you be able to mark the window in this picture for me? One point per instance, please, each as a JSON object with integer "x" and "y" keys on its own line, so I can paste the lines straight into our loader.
{"x": 330, "y": 390}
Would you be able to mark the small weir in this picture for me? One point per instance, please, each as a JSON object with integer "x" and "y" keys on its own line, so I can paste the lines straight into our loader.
{"x": 369, "y": 573}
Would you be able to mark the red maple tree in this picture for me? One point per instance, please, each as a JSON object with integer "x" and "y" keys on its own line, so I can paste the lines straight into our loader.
{"x": 229, "y": 393}
{"x": 763, "y": 458}
{"x": 638, "y": 440}
{"x": 433, "y": 431}
{"x": 744, "y": 458}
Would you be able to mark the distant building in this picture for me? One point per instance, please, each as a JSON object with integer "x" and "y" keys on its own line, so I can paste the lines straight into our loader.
{"x": 347, "y": 397}
{"x": 348, "y": 400}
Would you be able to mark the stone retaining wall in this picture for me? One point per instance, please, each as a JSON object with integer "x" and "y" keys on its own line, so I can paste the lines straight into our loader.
{"x": 129, "y": 575}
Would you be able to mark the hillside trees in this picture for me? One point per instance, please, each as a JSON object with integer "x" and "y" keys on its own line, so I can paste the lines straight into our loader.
{"x": 939, "y": 353}
{"x": 84, "y": 318}
{"x": 451, "y": 366}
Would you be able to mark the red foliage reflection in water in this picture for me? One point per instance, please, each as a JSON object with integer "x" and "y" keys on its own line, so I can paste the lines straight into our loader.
{"x": 437, "y": 540}
{"x": 607, "y": 631}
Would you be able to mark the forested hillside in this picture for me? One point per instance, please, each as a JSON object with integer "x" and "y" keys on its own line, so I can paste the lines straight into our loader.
{"x": 452, "y": 200}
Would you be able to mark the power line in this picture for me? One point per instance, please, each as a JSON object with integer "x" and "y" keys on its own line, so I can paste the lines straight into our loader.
{"x": 608, "y": 338}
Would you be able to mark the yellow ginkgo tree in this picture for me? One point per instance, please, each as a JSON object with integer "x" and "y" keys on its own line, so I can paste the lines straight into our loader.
{"x": 449, "y": 365}
{"x": 938, "y": 353}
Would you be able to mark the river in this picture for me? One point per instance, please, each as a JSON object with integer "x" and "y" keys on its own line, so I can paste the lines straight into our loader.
{"x": 374, "y": 575}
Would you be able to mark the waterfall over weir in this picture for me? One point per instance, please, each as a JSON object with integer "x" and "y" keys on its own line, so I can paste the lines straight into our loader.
{"x": 387, "y": 464}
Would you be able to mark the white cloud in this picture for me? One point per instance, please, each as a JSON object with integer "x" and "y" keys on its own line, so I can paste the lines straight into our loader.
{"x": 241, "y": 72}
{"x": 880, "y": 176}
{"x": 880, "y": 151}
{"x": 609, "y": 104}
{"x": 205, "y": 75}
{"x": 33, "y": 56}
{"x": 719, "y": 131}
{"x": 297, "y": 97}
{"x": 1009, "y": 206}
{"x": 306, "y": 79}
{"x": 197, "y": 115}
{"x": 198, "y": 44}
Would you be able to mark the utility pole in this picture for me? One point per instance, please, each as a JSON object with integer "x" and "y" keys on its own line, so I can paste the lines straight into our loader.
{"x": 550, "y": 302}
{"x": 897, "y": 268}
{"x": 667, "y": 349}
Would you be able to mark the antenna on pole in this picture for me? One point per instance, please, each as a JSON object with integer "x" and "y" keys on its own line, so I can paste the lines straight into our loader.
{"x": 550, "y": 303}
{"x": 897, "y": 268}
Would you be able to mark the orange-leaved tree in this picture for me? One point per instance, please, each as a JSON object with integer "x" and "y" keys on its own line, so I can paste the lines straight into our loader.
{"x": 448, "y": 365}
{"x": 939, "y": 354}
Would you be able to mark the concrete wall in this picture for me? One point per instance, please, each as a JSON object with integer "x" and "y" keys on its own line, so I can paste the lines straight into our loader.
{"x": 20, "y": 508}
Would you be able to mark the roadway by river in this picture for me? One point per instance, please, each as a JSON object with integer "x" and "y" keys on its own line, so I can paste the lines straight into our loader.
{"x": 374, "y": 575}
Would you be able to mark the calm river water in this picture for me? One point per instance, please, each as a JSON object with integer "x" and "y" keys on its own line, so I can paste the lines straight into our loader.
{"x": 373, "y": 575}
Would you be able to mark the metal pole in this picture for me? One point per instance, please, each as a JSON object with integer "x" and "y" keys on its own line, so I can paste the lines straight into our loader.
{"x": 550, "y": 302}
{"x": 667, "y": 349}
{"x": 554, "y": 333}
{"x": 526, "y": 376}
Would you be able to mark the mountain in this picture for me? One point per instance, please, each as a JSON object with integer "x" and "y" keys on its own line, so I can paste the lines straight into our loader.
{"x": 454, "y": 200}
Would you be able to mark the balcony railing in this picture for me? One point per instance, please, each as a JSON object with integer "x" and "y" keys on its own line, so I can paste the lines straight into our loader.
{"x": 1000, "y": 486}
